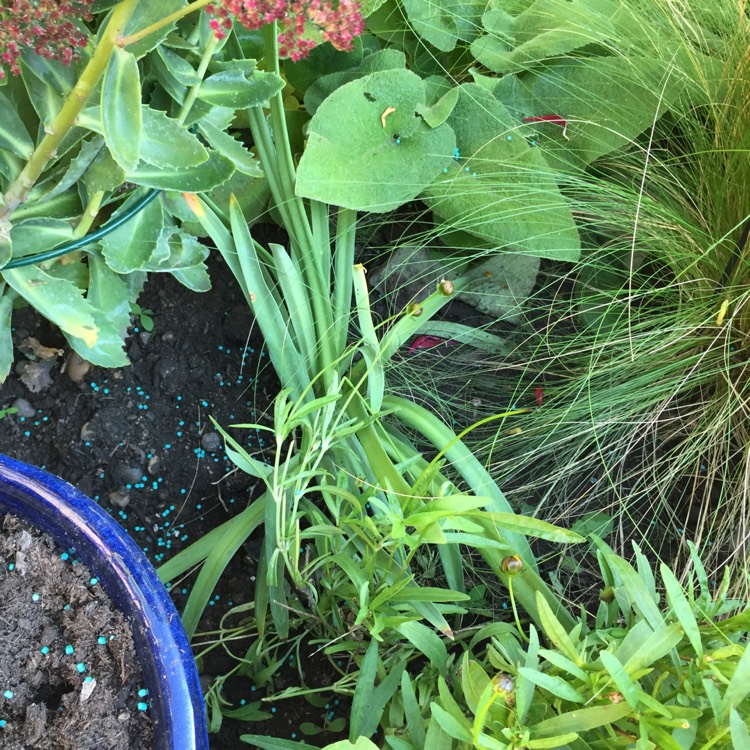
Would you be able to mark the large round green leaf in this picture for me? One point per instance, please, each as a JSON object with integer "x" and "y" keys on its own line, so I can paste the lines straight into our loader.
{"x": 368, "y": 149}
{"x": 500, "y": 188}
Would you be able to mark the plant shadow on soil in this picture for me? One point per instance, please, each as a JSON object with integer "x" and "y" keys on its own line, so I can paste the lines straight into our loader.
{"x": 139, "y": 440}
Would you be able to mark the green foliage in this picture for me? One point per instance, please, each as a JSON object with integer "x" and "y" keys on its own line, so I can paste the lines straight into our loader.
{"x": 504, "y": 180}
{"x": 671, "y": 684}
{"x": 367, "y": 150}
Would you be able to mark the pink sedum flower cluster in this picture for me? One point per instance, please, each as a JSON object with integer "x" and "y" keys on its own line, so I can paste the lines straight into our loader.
{"x": 339, "y": 24}
{"x": 45, "y": 26}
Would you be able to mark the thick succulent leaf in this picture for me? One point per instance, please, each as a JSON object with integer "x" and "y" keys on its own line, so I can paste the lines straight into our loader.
{"x": 500, "y": 188}
{"x": 44, "y": 99}
{"x": 178, "y": 66}
{"x": 60, "y": 78}
{"x": 195, "y": 278}
{"x": 167, "y": 144}
{"x": 6, "y": 337}
{"x": 78, "y": 166}
{"x": 30, "y": 236}
{"x": 130, "y": 246}
{"x": 13, "y": 134}
{"x": 368, "y": 149}
{"x": 110, "y": 299}
{"x": 145, "y": 14}
{"x": 167, "y": 80}
{"x": 148, "y": 242}
{"x": 174, "y": 250}
{"x": 238, "y": 89}
{"x": 228, "y": 146}
{"x": 103, "y": 174}
{"x": 198, "y": 179}
{"x": 59, "y": 300}
{"x": 121, "y": 117}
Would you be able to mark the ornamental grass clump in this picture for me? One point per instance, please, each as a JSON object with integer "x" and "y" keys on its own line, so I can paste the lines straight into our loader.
{"x": 639, "y": 351}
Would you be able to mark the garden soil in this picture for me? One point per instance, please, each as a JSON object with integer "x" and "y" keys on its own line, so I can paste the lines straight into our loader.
{"x": 69, "y": 676}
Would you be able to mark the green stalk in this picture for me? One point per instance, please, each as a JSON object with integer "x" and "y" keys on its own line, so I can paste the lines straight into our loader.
{"x": 298, "y": 224}
{"x": 194, "y": 90}
{"x": 66, "y": 118}
{"x": 343, "y": 260}
{"x": 92, "y": 209}
{"x": 162, "y": 22}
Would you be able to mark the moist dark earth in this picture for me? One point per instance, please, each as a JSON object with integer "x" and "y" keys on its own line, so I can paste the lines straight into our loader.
{"x": 69, "y": 676}
{"x": 139, "y": 440}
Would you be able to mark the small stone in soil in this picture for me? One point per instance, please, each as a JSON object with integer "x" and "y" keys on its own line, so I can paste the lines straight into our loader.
{"x": 211, "y": 441}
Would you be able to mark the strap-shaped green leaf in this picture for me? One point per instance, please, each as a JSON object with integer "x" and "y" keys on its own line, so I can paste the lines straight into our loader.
{"x": 553, "y": 684}
{"x": 582, "y": 720}
{"x": 122, "y": 121}
{"x": 682, "y": 610}
{"x": 740, "y": 733}
{"x": 554, "y": 630}
{"x": 739, "y": 686}
{"x": 6, "y": 339}
{"x": 414, "y": 721}
{"x": 428, "y": 642}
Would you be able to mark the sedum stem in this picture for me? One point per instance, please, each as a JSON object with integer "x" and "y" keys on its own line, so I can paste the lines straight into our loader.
{"x": 66, "y": 117}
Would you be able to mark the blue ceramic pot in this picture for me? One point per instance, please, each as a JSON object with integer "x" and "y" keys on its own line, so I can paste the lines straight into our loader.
{"x": 74, "y": 521}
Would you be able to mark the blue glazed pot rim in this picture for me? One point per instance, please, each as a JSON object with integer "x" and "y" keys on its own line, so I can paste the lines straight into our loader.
{"x": 74, "y": 521}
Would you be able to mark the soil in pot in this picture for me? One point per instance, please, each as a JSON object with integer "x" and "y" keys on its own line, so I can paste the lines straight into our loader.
{"x": 69, "y": 676}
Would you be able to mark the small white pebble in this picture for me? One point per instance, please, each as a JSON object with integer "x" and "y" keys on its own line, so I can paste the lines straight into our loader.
{"x": 87, "y": 688}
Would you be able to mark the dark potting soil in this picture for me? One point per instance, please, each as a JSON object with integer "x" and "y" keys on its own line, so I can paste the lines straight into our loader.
{"x": 139, "y": 440}
{"x": 69, "y": 676}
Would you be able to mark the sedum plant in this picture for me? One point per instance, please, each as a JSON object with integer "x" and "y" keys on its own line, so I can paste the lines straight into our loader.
{"x": 109, "y": 108}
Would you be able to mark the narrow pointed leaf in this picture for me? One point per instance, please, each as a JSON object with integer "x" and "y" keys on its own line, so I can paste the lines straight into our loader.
{"x": 121, "y": 108}
{"x": 555, "y": 685}
{"x": 6, "y": 338}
